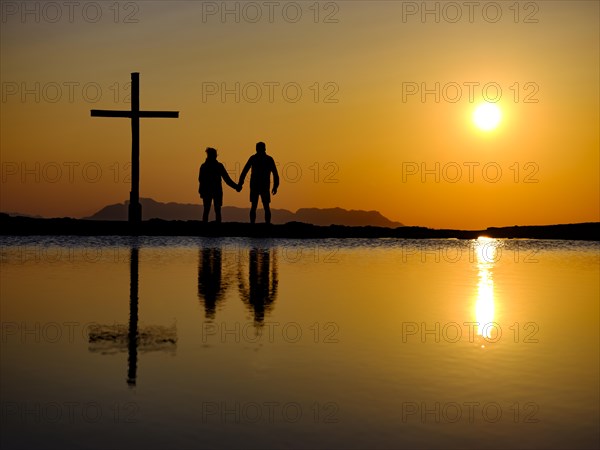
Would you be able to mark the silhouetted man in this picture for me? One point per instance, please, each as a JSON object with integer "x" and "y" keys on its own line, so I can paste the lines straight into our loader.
{"x": 211, "y": 188}
{"x": 260, "y": 291}
{"x": 262, "y": 166}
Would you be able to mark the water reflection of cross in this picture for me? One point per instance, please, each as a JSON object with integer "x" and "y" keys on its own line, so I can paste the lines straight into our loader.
{"x": 110, "y": 339}
{"x": 133, "y": 317}
{"x": 135, "y": 208}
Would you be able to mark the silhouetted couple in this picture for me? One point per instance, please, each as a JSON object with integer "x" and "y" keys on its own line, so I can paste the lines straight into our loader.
{"x": 257, "y": 287}
{"x": 211, "y": 187}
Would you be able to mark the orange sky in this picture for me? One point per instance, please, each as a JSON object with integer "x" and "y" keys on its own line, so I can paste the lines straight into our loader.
{"x": 352, "y": 137}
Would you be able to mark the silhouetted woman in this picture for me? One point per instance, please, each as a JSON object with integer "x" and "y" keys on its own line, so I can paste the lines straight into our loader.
{"x": 211, "y": 188}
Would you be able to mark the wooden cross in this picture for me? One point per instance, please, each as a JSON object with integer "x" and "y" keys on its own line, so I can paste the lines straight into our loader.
{"x": 135, "y": 208}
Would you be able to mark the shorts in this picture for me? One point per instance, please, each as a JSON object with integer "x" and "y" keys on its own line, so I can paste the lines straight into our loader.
{"x": 264, "y": 194}
{"x": 217, "y": 199}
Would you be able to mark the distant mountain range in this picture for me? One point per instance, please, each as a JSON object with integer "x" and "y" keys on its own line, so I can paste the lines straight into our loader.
{"x": 31, "y": 216}
{"x": 151, "y": 209}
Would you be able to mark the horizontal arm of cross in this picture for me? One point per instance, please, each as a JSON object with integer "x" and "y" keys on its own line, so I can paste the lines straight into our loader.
{"x": 163, "y": 114}
{"x": 129, "y": 114}
{"x": 109, "y": 113}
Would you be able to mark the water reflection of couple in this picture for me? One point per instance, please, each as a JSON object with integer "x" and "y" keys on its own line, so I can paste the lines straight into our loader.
{"x": 211, "y": 188}
{"x": 258, "y": 290}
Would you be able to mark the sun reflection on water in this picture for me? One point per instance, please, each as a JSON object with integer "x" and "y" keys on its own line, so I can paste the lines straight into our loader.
{"x": 486, "y": 250}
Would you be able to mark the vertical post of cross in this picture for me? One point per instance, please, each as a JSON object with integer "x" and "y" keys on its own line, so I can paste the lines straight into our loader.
{"x": 135, "y": 208}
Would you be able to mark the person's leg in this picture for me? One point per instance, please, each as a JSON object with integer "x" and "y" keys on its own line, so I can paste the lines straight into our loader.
{"x": 267, "y": 211}
{"x": 218, "y": 204}
{"x": 206, "y": 202}
{"x": 253, "y": 211}
{"x": 265, "y": 198}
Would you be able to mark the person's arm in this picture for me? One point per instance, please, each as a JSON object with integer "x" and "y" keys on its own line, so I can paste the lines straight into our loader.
{"x": 275, "y": 176}
{"x": 200, "y": 180}
{"x": 227, "y": 178}
{"x": 245, "y": 172}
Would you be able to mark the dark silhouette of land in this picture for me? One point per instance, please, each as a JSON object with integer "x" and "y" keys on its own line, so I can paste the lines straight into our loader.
{"x": 26, "y": 226}
{"x": 190, "y": 211}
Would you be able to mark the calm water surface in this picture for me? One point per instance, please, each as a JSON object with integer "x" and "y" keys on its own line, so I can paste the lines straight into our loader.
{"x": 239, "y": 343}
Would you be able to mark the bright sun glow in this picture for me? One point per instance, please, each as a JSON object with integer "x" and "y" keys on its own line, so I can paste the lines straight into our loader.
{"x": 487, "y": 116}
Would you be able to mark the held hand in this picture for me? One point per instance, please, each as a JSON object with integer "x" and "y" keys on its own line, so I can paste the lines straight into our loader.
{"x": 238, "y": 187}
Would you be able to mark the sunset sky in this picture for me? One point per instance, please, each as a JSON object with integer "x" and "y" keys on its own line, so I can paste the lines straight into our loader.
{"x": 329, "y": 86}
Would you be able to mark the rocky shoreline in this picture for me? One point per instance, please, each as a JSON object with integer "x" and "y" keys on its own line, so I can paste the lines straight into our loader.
{"x": 26, "y": 226}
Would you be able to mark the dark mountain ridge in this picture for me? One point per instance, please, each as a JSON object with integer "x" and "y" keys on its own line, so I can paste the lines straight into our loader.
{"x": 151, "y": 209}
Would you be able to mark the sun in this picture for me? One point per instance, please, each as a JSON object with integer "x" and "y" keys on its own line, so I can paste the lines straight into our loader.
{"x": 487, "y": 116}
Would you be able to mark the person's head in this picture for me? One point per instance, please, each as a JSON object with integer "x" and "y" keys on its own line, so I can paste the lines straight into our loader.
{"x": 211, "y": 153}
{"x": 261, "y": 147}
